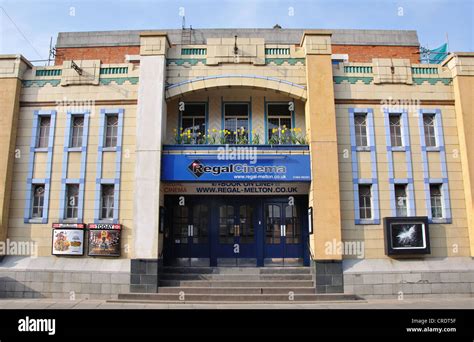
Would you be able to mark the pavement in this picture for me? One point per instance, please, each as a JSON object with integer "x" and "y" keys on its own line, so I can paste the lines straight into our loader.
{"x": 424, "y": 303}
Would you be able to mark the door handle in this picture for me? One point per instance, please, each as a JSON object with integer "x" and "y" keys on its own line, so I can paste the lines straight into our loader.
{"x": 190, "y": 230}
{"x": 283, "y": 230}
{"x": 236, "y": 230}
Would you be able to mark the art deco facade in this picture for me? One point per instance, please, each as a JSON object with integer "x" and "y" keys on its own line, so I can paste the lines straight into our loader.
{"x": 332, "y": 132}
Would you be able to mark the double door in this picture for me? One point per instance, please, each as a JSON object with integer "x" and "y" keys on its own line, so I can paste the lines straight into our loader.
{"x": 189, "y": 236}
{"x": 219, "y": 228}
{"x": 283, "y": 230}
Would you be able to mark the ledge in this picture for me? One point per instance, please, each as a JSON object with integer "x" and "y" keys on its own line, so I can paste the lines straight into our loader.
{"x": 215, "y": 147}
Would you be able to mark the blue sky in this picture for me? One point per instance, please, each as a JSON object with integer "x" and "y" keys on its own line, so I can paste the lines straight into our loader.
{"x": 39, "y": 20}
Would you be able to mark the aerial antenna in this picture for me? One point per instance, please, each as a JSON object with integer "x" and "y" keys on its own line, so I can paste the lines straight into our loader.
{"x": 52, "y": 51}
{"x": 186, "y": 35}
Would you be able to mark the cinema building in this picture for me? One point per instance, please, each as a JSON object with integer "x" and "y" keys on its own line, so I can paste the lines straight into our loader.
{"x": 330, "y": 161}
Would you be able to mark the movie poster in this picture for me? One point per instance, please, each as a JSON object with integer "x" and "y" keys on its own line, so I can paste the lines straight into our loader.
{"x": 67, "y": 241}
{"x": 406, "y": 235}
{"x": 104, "y": 242}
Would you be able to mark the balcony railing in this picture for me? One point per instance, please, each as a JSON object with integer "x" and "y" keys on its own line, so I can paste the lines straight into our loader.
{"x": 276, "y": 136}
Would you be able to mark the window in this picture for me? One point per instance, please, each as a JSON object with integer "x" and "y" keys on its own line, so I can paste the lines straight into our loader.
{"x": 236, "y": 122}
{"x": 107, "y": 202}
{"x": 77, "y": 129}
{"x": 401, "y": 200}
{"x": 436, "y": 201}
{"x": 360, "y": 122}
{"x": 429, "y": 127}
{"x": 279, "y": 123}
{"x": 365, "y": 201}
{"x": 193, "y": 123}
{"x": 72, "y": 200}
{"x": 43, "y": 132}
{"x": 395, "y": 130}
{"x": 38, "y": 201}
{"x": 111, "y": 131}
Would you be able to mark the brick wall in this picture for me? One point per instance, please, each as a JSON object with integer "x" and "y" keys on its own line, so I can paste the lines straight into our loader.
{"x": 365, "y": 53}
{"x": 107, "y": 54}
{"x": 357, "y": 53}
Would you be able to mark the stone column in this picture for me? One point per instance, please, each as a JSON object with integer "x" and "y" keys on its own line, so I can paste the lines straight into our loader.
{"x": 461, "y": 65}
{"x": 151, "y": 122}
{"x": 12, "y": 68}
{"x": 324, "y": 191}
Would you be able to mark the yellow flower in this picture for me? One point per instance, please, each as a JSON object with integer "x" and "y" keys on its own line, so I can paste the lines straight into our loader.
{"x": 283, "y": 131}
{"x": 284, "y": 126}
{"x": 181, "y": 129}
{"x": 214, "y": 130}
{"x": 274, "y": 130}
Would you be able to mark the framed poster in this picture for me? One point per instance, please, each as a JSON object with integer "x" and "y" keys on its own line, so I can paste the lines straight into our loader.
{"x": 67, "y": 239}
{"x": 310, "y": 220}
{"x": 406, "y": 235}
{"x": 104, "y": 240}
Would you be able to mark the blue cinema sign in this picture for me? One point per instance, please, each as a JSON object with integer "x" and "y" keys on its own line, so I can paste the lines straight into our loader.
{"x": 284, "y": 168}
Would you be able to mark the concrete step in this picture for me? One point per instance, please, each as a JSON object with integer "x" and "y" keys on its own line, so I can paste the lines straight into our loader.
{"x": 236, "y": 290}
{"x": 237, "y": 270}
{"x": 237, "y": 283}
{"x": 233, "y": 276}
{"x": 231, "y": 298}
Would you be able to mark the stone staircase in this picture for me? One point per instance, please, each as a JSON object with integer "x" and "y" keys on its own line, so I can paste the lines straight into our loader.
{"x": 234, "y": 285}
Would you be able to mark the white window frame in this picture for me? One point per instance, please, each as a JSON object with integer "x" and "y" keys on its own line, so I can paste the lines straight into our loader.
{"x": 435, "y": 130}
{"x": 102, "y": 207}
{"x": 356, "y": 134}
{"x": 441, "y": 199}
{"x": 406, "y": 206}
{"x": 40, "y": 137}
{"x": 371, "y": 202}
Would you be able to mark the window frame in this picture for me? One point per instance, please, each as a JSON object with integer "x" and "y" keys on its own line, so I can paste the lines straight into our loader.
{"x": 106, "y": 131}
{"x": 394, "y": 135}
{"x": 441, "y": 201}
{"x": 195, "y": 132}
{"x": 67, "y": 206}
{"x": 107, "y": 208}
{"x": 358, "y": 133}
{"x": 232, "y": 136}
{"x": 269, "y": 133}
{"x": 365, "y": 208}
{"x": 41, "y": 200}
{"x": 399, "y": 209}
{"x": 40, "y": 137}
{"x": 430, "y": 136}
{"x": 76, "y": 139}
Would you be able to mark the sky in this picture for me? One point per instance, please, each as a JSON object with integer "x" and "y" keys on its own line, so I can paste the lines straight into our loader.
{"x": 26, "y": 26}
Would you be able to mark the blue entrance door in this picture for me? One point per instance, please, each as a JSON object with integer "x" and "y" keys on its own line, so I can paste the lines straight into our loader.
{"x": 283, "y": 233}
{"x": 236, "y": 229}
{"x": 190, "y": 229}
